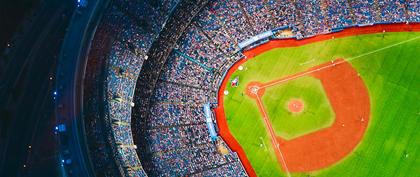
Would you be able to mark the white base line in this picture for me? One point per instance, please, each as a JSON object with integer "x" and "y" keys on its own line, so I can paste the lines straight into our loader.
{"x": 384, "y": 48}
{"x": 348, "y": 60}
{"x": 306, "y": 62}
{"x": 272, "y": 134}
{"x": 281, "y": 154}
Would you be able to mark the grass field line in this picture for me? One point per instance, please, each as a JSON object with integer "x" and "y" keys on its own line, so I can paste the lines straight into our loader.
{"x": 287, "y": 79}
{"x": 272, "y": 135}
{"x": 335, "y": 63}
{"x": 383, "y": 48}
{"x": 307, "y": 62}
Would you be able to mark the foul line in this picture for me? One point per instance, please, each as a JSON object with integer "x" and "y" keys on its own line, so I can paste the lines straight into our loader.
{"x": 339, "y": 62}
{"x": 272, "y": 134}
{"x": 384, "y": 48}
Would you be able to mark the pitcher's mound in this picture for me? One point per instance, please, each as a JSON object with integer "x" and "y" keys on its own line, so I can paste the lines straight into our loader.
{"x": 295, "y": 106}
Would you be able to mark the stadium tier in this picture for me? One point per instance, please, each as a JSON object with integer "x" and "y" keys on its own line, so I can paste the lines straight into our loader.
{"x": 153, "y": 65}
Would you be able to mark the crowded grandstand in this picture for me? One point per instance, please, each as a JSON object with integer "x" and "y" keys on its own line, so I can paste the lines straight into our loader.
{"x": 154, "y": 69}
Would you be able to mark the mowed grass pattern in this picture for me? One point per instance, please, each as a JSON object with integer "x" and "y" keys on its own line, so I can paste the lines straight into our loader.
{"x": 317, "y": 113}
{"x": 391, "y": 144}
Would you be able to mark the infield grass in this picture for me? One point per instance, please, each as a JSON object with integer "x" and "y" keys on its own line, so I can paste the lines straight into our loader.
{"x": 390, "y": 146}
{"x": 317, "y": 112}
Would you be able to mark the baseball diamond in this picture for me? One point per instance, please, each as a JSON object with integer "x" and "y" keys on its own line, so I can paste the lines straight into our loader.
{"x": 316, "y": 106}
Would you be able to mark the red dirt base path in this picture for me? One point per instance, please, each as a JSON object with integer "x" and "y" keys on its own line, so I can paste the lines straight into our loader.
{"x": 295, "y": 106}
{"x": 220, "y": 114}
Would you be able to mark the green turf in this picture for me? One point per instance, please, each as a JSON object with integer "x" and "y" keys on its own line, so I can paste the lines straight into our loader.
{"x": 391, "y": 144}
{"x": 317, "y": 113}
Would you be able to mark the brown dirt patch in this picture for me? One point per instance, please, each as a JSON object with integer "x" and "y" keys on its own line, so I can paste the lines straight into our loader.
{"x": 295, "y": 106}
{"x": 254, "y": 89}
{"x": 349, "y": 98}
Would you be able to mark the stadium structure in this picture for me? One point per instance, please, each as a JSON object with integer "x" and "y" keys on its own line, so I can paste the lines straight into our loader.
{"x": 143, "y": 87}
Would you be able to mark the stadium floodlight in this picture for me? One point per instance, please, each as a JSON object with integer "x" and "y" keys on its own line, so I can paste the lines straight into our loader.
{"x": 60, "y": 128}
{"x": 82, "y": 3}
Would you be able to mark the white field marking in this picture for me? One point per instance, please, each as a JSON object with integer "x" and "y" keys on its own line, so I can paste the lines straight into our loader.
{"x": 383, "y": 48}
{"x": 339, "y": 62}
{"x": 285, "y": 165}
{"x": 288, "y": 79}
{"x": 263, "y": 143}
{"x": 272, "y": 135}
{"x": 307, "y": 62}
{"x": 254, "y": 90}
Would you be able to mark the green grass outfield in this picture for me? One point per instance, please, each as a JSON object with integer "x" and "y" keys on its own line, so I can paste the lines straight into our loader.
{"x": 391, "y": 145}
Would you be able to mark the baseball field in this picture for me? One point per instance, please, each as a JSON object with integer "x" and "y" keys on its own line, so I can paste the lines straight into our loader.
{"x": 345, "y": 106}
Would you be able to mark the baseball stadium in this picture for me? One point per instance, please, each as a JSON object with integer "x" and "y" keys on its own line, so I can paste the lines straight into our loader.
{"x": 267, "y": 88}
{"x": 257, "y": 88}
